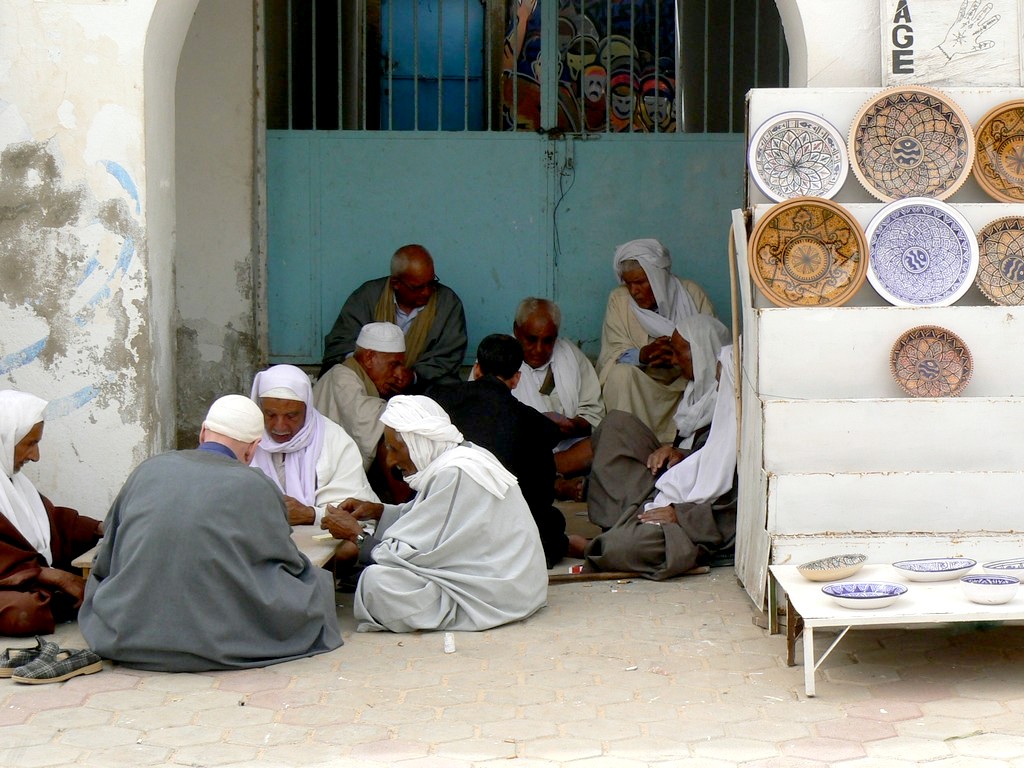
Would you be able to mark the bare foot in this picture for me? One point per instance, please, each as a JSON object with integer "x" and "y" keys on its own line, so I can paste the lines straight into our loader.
{"x": 576, "y": 546}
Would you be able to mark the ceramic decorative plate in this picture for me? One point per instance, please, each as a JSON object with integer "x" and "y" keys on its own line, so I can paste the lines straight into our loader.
{"x": 923, "y": 253}
{"x": 864, "y": 594}
{"x": 1013, "y": 566}
{"x": 832, "y": 568}
{"x": 999, "y": 164}
{"x": 910, "y": 142}
{"x": 929, "y": 361}
{"x": 808, "y": 252}
{"x": 1001, "y": 261}
{"x": 935, "y": 568}
{"x": 796, "y": 154}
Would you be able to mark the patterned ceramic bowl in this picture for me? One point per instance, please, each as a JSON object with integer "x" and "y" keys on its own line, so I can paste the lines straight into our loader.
{"x": 832, "y": 568}
{"x": 935, "y": 568}
{"x": 989, "y": 589}
{"x": 1013, "y": 566}
{"x": 864, "y": 595}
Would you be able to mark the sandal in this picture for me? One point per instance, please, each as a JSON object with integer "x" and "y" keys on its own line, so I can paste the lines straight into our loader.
{"x": 68, "y": 663}
{"x": 12, "y": 658}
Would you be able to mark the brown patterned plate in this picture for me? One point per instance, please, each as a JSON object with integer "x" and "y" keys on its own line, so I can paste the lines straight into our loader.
{"x": 1001, "y": 261}
{"x": 808, "y": 252}
{"x": 999, "y": 164}
{"x": 929, "y": 361}
{"x": 911, "y": 142}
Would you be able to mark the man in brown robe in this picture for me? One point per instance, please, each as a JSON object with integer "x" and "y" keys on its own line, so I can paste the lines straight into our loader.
{"x": 38, "y": 540}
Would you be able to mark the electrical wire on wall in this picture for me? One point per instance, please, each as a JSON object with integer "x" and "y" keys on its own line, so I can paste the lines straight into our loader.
{"x": 566, "y": 169}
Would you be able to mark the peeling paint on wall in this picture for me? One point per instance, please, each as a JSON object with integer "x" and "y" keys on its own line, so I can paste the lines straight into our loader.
{"x": 68, "y": 262}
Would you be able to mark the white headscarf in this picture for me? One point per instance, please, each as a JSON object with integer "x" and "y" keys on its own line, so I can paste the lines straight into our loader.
{"x": 303, "y": 450}
{"x": 706, "y": 336}
{"x": 434, "y": 444}
{"x": 565, "y": 369}
{"x": 708, "y": 473}
{"x": 674, "y": 301}
{"x": 19, "y": 500}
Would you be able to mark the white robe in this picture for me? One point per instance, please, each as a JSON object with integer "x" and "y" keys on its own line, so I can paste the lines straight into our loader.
{"x": 577, "y": 391}
{"x": 455, "y": 558}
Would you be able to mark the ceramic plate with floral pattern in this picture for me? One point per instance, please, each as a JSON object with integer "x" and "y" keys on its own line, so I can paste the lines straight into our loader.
{"x": 929, "y": 361}
{"x": 999, "y": 165}
{"x": 911, "y": 142}
{"x": 795, "y": 154}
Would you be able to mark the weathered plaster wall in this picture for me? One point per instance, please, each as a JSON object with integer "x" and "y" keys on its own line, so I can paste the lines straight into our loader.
{"x": 832, "y": 42}
{"x": 216, "y": 332}
{"x": 85, "y": 231}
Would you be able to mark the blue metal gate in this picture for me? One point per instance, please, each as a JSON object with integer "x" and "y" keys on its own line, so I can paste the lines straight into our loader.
{"x": 434, "y": 121}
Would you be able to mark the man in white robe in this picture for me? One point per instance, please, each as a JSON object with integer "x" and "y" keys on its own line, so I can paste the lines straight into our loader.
{"x": 354, "y": 393}
{"x": 464, "y": 554}
{"x": 635, "y": 366}
{"x": 686, "y": 517}
{"x": 311, "y": 459}
{"x": 558, "y": 380}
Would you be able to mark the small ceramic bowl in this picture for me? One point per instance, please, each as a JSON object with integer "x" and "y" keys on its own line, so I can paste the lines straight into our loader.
{"x": 989, "y": 589}
{"x": 864, "y": 595}
{"x": 935, "y": 568}
{"x": 832, "y": 568}
{"x": 1011, "y": 567}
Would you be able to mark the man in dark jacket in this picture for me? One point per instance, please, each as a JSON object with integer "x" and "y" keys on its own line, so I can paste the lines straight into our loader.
{"x": 487, "y": 414}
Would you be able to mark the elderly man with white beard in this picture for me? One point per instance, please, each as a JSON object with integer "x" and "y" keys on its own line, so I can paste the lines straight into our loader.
{"x": 464, "y": 554}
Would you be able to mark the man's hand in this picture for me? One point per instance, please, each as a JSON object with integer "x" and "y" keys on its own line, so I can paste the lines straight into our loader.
{"x": 361, "y": 510}
{"x": 341, "y": 524}
{"x": 299, "y": 513}
{"x": 658, "y": 516}
{"x": 574, "y": 427}
{"x": 659, "y": 353}
{"x": 68, "y": 583}
{"x": 665, "y": 457}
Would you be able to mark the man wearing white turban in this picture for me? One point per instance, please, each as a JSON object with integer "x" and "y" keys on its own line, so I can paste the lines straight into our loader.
{"x": 310, "y": 458}
{"x": 38, "y": 541}
{"x": 464, "y": 554}
{"x": 636, "y": 367}
{"x": 197, "y": 569}
{"x": 664, "y": 521}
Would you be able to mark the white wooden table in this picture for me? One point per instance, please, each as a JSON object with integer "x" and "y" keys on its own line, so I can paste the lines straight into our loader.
{"x": 940, "y": 602}
{"x": 319, "y": 552}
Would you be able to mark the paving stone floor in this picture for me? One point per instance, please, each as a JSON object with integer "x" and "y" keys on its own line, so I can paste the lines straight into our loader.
{"x": 609, "y": 675}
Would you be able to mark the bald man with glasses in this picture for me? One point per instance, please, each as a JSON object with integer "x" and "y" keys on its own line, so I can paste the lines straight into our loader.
{"x": 429, "y": 313}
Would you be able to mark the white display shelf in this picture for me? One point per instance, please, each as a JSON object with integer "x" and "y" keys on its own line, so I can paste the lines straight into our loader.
{"x": 834, "y": 457}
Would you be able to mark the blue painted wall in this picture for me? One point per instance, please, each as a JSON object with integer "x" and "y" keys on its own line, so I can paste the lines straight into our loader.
{"x": 490, "y": 207}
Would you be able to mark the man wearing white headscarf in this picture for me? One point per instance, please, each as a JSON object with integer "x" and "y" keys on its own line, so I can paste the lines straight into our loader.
{"x": 38, "y": 540}
{"x": 464, "y": 554}
{"x": 636, "y": 367}
{"x": 686, "y": 517}
{"x": 310, "y": 458}
{"x": 197, "y": 569}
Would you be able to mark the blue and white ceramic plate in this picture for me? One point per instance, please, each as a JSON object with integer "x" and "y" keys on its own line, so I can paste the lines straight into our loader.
{"x": 935, "y": 568}
{"x": 1013, "y": 566}
{"x": 922, "y": 253}
{"x": 989, "y": 589}
{"x": 794, "y": 154}
{"x": 832, "y": 568}
{"x": 864, "y": 595}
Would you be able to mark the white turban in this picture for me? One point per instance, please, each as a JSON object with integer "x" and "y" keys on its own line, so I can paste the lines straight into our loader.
{"x": 434, "y": 444}
{"x": 674, "y": 302}
{"x": 286, "y": 382}
{"x": 381, "y": 337}
{"x": 235, "y": 416}
{"x": 706, "y": 337}
{"x": 19, "y": 500}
